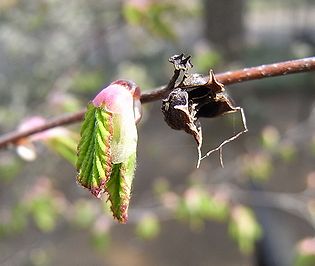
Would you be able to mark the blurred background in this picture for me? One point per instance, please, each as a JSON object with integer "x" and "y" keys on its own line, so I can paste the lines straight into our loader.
{"x": 258, "y": 210}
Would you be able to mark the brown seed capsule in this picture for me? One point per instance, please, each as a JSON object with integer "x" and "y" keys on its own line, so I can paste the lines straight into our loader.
{"x": 180, "y": 113}
{"x": 194, "y": 97}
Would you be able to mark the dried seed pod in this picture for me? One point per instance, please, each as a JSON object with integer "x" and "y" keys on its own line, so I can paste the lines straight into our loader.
{"x": 197, "y": 96}
{"x": 181, "y": 62}
{"x": 180, "y": 113}
{"x": 209, "y": 95}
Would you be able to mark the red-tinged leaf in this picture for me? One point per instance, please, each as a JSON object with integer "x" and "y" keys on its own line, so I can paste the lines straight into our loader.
{"x": 119, "y": 188}
{"x": 107, "y": 149}
{"x": 94, "y": 162}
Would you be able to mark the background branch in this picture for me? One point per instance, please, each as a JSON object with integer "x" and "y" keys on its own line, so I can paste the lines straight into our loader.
{"x": 230, "y": 77}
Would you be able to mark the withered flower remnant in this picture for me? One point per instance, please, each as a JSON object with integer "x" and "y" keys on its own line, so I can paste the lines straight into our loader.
{"x": 194, "y": 97}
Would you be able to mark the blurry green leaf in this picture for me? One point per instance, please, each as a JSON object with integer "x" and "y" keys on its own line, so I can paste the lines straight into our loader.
{"x": 305, "y": 252}
{"x": 100, "y": 232}
{"x": 133, "y": 71}
{"x": 88, "y": 81}
{"x": 206, "y": 60}
{"x": 198, "y": 205}
{"x": 100, "y": 240}
{"x": 84, "y": 213}
{"x": 64, "y": 102}
{"x": 161, "y": 186}
{"x": 304, "y": 260}
{"x": 9, "y": 168}
{"x": 132, "y": 14}
{"x": 215, "y": 209}
{"x": 66, "y": 146}
{"x": 18, "y": 219}
{"x": 40, "y": 257}
{"x": 287, "y": 152}
{"x": 270, "y": 138}
{"x": 44, "y": 212}
{"x": 258, "y": 166}
{"x": 148, "y": 227}
{"x": 244, "y": 228}
{"x": 151, "y": 16}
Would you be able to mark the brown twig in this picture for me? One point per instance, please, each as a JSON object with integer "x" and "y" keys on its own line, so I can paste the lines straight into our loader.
{"x": 230, "y": 77}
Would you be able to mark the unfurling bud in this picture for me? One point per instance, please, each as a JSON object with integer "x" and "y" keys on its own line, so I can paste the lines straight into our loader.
{"x": 107, "y": 149}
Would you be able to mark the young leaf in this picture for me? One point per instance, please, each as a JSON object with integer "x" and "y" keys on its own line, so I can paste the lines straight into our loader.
{"x": 107, "y": 149}
{"x": 119, "y": 187}
{"x": 94, "y": 156}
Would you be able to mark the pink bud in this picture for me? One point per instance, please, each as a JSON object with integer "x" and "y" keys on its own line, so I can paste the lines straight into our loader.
{"x": 119, "y": 97}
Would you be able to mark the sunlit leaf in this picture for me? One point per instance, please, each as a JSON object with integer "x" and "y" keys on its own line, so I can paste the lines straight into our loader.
{"x": 119, "y": 187}
{"x": 94, "y": 161}
{"x": 107, "y": 149}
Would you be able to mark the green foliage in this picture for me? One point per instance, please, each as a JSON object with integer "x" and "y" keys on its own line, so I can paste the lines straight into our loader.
{"x": 84, "y": 213}
{"x": 148, "y": 227}
{"x": 100, "y": 240}
{"x": 16, "y": 223}
{"x": 244, "y": 228}
{"x": 305, "y": 260}
{"x": 270, "y": 138}
{"x": 96, "y": 170}
{"x": 9, "y": 168}
{"x": 197, "y": 205}
{"x": 94, "y": 161}
{"x": 161, "y": 186}
{"x": 119, "y": 185}
{"x": 65, "y": 146}
{"x": 305, "y": 252}
{"x": 258, "y": 166}
{"x": 87, "y": 81}
{"x": 205, "y": 60}
{"x": 152, "y": 16}
{"x": 287, "y": 152}
{"x": 40, "y": 257}
{"x": 44, "y": 213}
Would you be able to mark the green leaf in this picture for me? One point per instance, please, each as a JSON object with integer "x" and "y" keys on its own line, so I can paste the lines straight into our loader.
{"x": 119, "y": 187}
{"x": 244, "y": 228}
{"x": 87, "y": 81}
{"x": 304, "y": 260}
{"x": 258, "y": 166}
{"x": 44, "y": 212}
{"x": 94, "y": 162}
{"x": 148, "y": 227}
{"x": 107, "y": 149}
{"x": 100, "y": 240}
{"x": 305, "y": 252}
{"x": 84, "y": 213}
{"x": 132, "y": 14}
{"x": 66, "y": 146}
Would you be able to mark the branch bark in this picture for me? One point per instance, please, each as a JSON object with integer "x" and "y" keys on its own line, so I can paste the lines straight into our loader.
{"x": 230, "y": 77}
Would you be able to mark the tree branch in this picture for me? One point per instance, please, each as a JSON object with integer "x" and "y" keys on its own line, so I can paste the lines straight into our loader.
{"x": 230, "y": 77}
